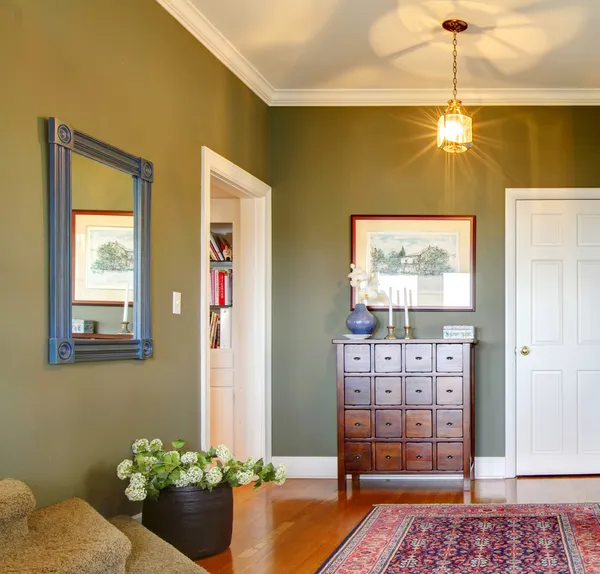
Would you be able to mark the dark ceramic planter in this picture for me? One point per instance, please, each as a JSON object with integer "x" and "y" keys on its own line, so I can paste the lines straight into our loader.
{"x": 197, "y": 522}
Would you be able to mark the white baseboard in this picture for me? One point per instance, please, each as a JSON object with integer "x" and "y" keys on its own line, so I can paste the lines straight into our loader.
{"x": 308, "y": 466}
{"x": 326, "y": 467}
{"x": 490, "y": 467}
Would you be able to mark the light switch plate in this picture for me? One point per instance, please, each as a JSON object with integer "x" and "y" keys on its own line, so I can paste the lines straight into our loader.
{"x": 176, "y": 303}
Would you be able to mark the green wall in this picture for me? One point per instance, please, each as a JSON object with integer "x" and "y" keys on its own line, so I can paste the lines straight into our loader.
{"x": 127, "y": 73}
{"x": 329, "y": 163}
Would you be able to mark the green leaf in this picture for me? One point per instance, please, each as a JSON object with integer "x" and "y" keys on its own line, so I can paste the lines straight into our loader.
{"x": 177, "y": 444}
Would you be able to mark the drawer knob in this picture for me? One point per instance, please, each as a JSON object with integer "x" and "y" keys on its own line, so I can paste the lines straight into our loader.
{"x": 388, "y": 391}
{"x": 450, "y": 456}
{"x": 419, "y": 456}
{"x": 357, "y": 390}
{"x": 418, "y": 358}
{"x": 449, "y": 358}
{"x": 357, "y": 456}
{"x": 418, "y": 425}
{"x": 356, "y": 424}
{"x": 449, "y": 424}
{"x": 388, "y": 424}
{"x": 418, "y": 391}
{"x": 357, "y": 358}
{"x": 388, "y": 456}
{"x": 449, "y": 390}
{"x": 388, "y": 358}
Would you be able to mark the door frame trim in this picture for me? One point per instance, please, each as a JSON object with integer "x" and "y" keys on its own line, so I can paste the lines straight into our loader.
{"x": 256, "y": 218}
{"x": 513, "y": 195}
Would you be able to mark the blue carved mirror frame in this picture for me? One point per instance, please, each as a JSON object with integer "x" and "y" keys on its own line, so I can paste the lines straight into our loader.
{"x": 63, "y": 348}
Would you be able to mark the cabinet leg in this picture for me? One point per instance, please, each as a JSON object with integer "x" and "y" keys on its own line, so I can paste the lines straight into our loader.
{"x": 342, "y": 482}
{"x": 355, "y": 481}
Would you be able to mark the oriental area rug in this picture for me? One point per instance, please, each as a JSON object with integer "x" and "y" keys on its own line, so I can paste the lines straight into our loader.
{"x": 477, "y": 538}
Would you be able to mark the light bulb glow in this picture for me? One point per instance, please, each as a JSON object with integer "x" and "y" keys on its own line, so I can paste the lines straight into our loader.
{"x": 455, "y": 129}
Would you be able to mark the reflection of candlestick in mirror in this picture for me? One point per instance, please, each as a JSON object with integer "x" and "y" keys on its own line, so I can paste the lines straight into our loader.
{"x": 391, "y": 316}
{"x": 406, "y": 323}
{"x": 126, "y": 303}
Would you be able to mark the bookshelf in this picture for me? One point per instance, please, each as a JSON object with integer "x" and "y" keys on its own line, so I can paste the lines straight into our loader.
{"x": 221, "y": 285}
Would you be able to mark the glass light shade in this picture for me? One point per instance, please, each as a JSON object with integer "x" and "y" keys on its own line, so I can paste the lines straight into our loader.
{"x": 455, "y": 129}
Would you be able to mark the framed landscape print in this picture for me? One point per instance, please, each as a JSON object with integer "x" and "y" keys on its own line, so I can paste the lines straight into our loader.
{"x": 427, "y": 260}
{"x": 102, "y": 257}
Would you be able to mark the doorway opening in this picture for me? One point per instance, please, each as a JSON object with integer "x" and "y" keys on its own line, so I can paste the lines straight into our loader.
{"x": 235, "y": 374}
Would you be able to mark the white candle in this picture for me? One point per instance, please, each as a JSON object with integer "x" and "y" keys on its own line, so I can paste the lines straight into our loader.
{"x": 406, "y": 323}
{"x": 126, "y": 303}
{"x": 391, "y": 317}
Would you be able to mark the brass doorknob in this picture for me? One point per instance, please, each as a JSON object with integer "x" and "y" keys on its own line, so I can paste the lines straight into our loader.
{"x": 525, "y": 350}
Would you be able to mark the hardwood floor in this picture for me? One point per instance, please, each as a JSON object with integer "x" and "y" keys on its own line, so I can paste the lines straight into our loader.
{"x": 293, "y": 528}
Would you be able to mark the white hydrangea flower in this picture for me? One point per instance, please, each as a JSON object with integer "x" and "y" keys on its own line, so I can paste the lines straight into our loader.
{"x": 243, "y": 477}
{"x": 175, "y": 455}
{"x": 155, "y": 445}
{"x": 125, "y": 469}
{"x": 137, "y": 479}
{"x": 189, "y": 458}
{"x": 140, "y": 445}
{"x": 250, "y": 463}
{"x": 195, "y": 474}
{"x": 214, "y": 476}
{"x": 184, "y": 479}
{"x": 223, "y": 453}
{"x": 279, "y": 474}
{"x": 149, "y": 462}
{"x": 136, "y": 493}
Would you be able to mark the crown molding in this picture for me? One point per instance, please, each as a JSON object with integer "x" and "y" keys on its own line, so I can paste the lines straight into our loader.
{"x": 186, "y": 13}
{"x": 485, "y": 97}
{"x": 203, "y": 30}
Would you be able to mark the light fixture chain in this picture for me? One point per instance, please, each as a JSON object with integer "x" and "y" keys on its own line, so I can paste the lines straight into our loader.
{"x": 454, "y": 66}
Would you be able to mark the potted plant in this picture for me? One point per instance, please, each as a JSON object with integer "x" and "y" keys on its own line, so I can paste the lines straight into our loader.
{"x": 188, "y": 497}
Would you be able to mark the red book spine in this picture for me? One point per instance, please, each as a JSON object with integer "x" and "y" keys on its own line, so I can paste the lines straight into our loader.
{"x": 221, "y": 288}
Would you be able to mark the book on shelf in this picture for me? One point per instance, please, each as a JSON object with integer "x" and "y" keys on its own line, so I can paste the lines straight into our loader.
{"x": 220, "y": 329}
{"x": 220, "y": 250}
{"x": 221, "y": 287}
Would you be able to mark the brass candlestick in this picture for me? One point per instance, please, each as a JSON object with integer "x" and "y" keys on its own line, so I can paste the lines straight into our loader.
{"x": 390, "y": 334}
{"x": 407, "y": 332}
{"x": 125, "y": 328}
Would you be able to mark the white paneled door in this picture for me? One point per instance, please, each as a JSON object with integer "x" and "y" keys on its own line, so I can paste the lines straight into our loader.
{"x": 558, "y": 337}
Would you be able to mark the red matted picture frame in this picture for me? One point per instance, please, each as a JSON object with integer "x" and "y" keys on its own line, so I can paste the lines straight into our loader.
{"x": 427, "y": 261}
{"x": 102, "y": 261}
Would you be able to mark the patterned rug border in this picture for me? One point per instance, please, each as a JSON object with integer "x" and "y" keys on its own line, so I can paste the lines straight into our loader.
{"x": 419, "y": 508}
{"x": 350, "y": 535}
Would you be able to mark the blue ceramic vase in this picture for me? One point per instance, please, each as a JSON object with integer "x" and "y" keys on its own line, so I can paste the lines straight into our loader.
{"x": 361, "y": 321}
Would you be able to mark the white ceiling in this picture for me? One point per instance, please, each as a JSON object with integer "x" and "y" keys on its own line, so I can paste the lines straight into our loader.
{"x": 375, "y": 52}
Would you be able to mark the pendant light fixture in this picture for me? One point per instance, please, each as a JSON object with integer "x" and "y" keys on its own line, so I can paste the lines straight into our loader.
{"x": 455, "y": 126}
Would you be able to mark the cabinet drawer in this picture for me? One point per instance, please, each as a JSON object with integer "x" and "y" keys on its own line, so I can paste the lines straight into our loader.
{"x": 449, "y": 423}
{"x": 357, "y": 424}
{"x": 388, "y": 424}
{"x": 419, "y": 391}
{"x": 449, "y": 390}
{"x": 357, "y": 456}
{"x": 357, "y": 390}
{"x": 449, "y": 358}
{"x": 419, "y": 456}
{"x": 449, "y": 455}
{"x": 387, "y": 358}
{"x": 388, "y": 456}
{"x": 418, "y": 424}
{"x": 388, "y": 391}
{"x": 357, "y": 358}
{"x": 418, "y": 358}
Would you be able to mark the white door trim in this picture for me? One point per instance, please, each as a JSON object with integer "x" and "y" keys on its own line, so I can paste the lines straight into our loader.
{"x": 512, "y": 196}
{"x": 256, "y": 219}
